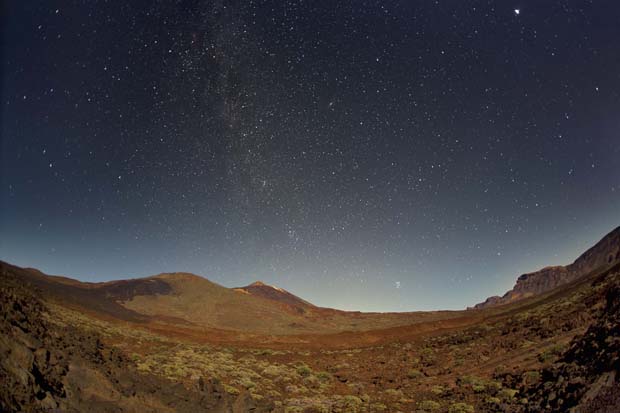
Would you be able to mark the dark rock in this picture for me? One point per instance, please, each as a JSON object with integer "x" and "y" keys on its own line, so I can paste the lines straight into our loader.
{"x": 585, "y": 377}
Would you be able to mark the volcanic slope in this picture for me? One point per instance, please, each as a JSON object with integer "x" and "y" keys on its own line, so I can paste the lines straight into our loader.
{"x": 271, "y": 292}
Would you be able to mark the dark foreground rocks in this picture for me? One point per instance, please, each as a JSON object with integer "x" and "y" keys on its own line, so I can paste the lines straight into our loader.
{"x": 586, "y": 379}
{"x": 46, "y": 368}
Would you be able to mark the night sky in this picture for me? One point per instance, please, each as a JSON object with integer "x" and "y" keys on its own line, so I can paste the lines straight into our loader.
{"x": 368, "y": 155}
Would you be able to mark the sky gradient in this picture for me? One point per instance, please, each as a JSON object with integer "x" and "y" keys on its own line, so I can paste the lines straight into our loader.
{"x": 378, "y": 156}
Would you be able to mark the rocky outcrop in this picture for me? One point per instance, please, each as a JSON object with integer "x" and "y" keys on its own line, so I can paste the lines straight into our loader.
{"x": 604, "y": 254}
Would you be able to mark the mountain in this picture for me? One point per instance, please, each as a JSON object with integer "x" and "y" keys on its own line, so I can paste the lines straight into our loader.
{"x": 604, "y": 254}
{"x": 260, "y": 289}
{"x": 184, "y": 303}
{"x": 207, "y": 304}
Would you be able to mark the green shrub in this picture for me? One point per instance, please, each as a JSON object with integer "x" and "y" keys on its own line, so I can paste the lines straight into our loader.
{"x": 304, "y": 371}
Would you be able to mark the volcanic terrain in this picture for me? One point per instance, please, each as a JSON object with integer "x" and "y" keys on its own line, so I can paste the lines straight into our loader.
{"x": 179, "y": 342}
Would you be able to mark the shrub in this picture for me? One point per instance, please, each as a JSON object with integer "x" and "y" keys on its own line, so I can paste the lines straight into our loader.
{"x": 230, "y": 389}
{"x": 507, "y": 394}
{"x": 461, "y": 408}
{"x": 493, "y": 400}
{"x": 469, "y": 380}
{"x": 378, "y": 407}
{"x": 304, "y": 371}
{"x": 352, "y": 403}
{"x": 494, "y": 386}
{"x": 394, "y": 393}
{"x": 438, "y": 390}
{"x": 312, "y": 381}
{"x": 415, "y": 374}
{"x": 428, "y": 356}
{"x": 429, "y": 405}
{"x": 144, "y": 367}
{"x": 324, "y": 377}
{"x": 246, "y": 382}
{"x": 551, "y": 353}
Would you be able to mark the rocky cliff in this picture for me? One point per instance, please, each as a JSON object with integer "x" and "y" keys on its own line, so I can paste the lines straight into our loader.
{"x": 604, "y": 254}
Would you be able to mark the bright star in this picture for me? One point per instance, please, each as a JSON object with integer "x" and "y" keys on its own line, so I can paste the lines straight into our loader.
{"x": 517, "y": 11}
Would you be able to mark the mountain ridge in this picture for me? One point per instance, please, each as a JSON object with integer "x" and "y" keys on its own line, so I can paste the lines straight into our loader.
{"x": 605, "y": 253}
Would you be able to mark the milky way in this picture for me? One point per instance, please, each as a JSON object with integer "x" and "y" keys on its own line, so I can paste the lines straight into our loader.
{"x": 363, "y": 155}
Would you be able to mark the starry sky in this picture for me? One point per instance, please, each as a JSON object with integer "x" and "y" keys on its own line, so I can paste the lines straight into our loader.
{"x": 367, "y": 155}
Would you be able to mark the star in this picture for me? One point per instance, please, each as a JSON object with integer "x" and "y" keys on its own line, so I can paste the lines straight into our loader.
{"x": 287, "y": 152}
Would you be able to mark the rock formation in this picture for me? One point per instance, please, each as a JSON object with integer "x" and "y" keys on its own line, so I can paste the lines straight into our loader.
{"x": 604, "y": 254}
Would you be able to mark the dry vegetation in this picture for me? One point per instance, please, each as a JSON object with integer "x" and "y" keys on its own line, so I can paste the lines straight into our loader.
{"x": 483, "y": 368}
